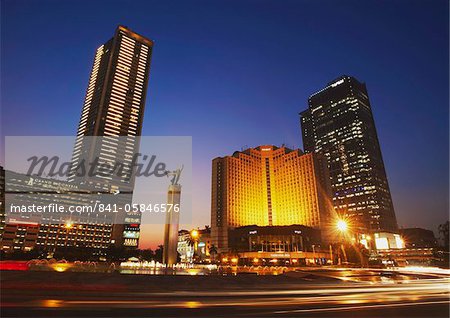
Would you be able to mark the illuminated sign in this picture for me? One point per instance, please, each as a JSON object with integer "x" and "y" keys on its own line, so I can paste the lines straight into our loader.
{"x": 130, "y": 242}
{"x": 282, "y": 255}
{"x": 131, "y": 220}
{"x": 131, "y": 234}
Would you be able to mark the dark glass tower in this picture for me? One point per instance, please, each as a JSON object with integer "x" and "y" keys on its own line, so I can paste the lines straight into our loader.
{"x": 339, "y": 123}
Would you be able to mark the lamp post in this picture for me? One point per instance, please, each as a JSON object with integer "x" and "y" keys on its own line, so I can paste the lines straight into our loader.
{"x": 342, "y": 227}
{"x": 314, "y": 254}
{"x": 194, "y": 237}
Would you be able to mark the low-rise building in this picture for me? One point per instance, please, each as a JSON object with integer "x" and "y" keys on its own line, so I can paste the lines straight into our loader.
{"x": 48, "y": 213}
{"x": 195, "y": 246}
{"x": 418, "y": 238}
{"x": 276, "y": 245}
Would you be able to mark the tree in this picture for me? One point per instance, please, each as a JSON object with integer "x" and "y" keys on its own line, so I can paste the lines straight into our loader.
{"x": 115, "y": 254}
{"x": 190, "y": 241}
{"x": 73, "y": 253}
{"x": 442, "y": 255}
{"x": 213, "y": 252}
{"x": 159, "y": 254}
{"x": 444, "y": 233}
{"x": 21, "y": 255}
{"x": 146, "y": 255}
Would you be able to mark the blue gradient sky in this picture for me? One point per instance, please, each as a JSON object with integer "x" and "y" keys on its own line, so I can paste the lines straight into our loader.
{"x": 236, "y": 73}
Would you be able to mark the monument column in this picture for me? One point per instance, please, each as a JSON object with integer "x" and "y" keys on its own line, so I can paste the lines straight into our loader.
{"x": 172, "y": 221}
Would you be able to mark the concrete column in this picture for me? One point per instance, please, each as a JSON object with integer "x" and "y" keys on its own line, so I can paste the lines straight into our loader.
{"x": 171, "y": 226}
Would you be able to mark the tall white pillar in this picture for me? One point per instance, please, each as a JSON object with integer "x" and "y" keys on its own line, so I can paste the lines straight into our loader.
{"x": 171, "y": 227}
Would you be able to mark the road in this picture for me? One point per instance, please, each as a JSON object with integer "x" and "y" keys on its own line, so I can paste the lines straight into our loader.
{"x": 308, "y": 293}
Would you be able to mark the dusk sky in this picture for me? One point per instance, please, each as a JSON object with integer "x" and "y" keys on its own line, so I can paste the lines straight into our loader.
{"x": 233, "y": 74}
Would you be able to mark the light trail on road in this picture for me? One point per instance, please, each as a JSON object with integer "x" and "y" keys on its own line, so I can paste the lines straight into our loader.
{"x": 273, "y": 299}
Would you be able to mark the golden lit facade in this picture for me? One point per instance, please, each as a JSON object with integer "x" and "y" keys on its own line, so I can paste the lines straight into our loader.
{"x": 268, "y": 186}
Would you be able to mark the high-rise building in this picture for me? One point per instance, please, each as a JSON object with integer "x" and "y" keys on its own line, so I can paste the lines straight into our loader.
{"x": 114, "y": 110}
{"x": 268, "y": 186}
{"x": 108, "y": 133}
{"x": 114, "y": 105}
{"x": 339, "y": 124}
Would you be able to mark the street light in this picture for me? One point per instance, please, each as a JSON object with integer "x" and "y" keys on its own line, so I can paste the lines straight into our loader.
{"x": 194, "y": 234}
{"x": 68, "y": 225}
{"x": 342, "y": 226}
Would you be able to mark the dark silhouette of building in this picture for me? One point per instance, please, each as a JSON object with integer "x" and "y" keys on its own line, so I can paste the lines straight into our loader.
{"x": 417, "y": 237}
{"x": 339, "y": 124}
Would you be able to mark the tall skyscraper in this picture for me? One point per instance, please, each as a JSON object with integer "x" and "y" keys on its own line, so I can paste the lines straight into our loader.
{"x": 113, "y": 110}
{"x": 114, "y": 105}
{"x": 339, "y": 124}
{"x": 110, "y": 124}
{"x": 268, "y": 186}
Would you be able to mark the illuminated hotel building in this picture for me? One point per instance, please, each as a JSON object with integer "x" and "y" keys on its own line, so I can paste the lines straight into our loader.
{"x": 339, "y": 124}
{"x": 268, "y": 186}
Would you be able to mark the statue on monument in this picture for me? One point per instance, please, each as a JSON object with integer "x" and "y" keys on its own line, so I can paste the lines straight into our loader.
{"x": 175, "y": 175}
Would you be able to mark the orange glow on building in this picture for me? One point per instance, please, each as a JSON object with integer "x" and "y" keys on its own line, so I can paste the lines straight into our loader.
{"x": 268, "y": 186}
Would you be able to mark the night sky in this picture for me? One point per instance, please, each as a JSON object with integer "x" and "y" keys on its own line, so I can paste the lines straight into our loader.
{"x": 233, "y": 74}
